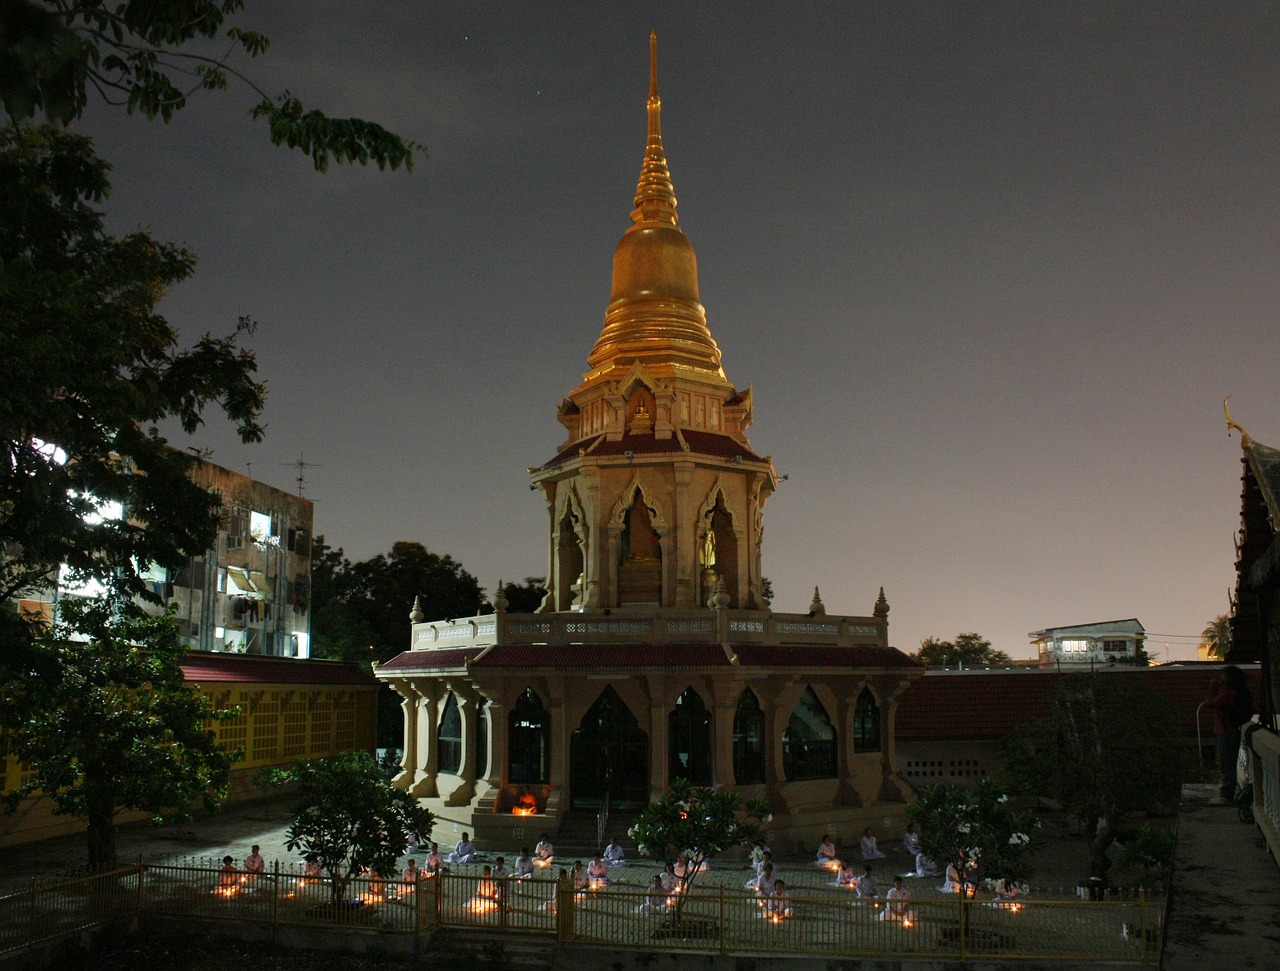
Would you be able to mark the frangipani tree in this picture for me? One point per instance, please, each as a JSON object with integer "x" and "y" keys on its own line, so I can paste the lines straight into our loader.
{"x": 978, "y": 829}
{"x": 696, "y": 823}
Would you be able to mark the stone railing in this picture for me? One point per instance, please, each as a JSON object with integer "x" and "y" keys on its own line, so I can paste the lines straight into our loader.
{"x": 664, "y": 626}
{"x": 1264, "y": 746}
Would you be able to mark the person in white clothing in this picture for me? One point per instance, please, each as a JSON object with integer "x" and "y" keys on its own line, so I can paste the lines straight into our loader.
{"x": 779, "y": 903}
{"x": 613, "y": 854}
{"x": 598, "y": 871}
{"x": 434, "y": 861}
{"x": 911, "y": 839}
{"x": 669, "y": 879}
{"x": 523, "y": 864}
{"x": 866, "y": 884}
{"x": 899, "y": 908}
{"x": 846, "y": 875}
{"x": 926, "y": 867}
{"x": 464, "y": 851}
{"x": 544, "y": 850}
{"x": 411, "y": 875}
{"x": 655, "y": 901}
{"x": 826, "y": 852}
{"x": 254, "y": 863}
{"x": 868, "y": 846}
{"x": 579, "y": 876}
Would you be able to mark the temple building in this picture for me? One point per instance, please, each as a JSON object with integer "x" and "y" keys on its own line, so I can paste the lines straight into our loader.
{"x": 654, "y": 655}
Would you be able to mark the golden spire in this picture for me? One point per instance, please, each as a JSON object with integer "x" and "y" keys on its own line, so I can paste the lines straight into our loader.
{"x": 655, "y": 195}
{"x": 654, "y": 314}
{"x": 1245, "y": 440}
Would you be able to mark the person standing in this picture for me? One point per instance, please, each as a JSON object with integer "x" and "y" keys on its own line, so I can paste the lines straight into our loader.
{"x": 1232, "y": 705}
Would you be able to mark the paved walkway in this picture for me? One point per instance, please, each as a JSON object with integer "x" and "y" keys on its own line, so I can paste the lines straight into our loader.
{"x": 1224, "y": 905}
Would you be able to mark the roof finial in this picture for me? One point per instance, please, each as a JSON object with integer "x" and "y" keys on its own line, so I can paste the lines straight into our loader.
{"x": 1244, "y": 435}
{"x": 655, "y": 195}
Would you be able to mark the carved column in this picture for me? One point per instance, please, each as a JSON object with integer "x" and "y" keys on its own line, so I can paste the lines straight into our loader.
{"x": 722, "y": 734}
{"x": 497, "y": 754}
{"x": 424, "y": 783}
{"x": 659, "y": 756}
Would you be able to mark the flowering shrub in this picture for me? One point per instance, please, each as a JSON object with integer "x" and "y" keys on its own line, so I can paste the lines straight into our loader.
{"x": 977, "y": 829}
{"x": 695, "y": 823}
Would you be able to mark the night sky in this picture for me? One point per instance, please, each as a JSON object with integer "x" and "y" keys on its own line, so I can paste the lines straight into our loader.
{"x": 990, "y": 268}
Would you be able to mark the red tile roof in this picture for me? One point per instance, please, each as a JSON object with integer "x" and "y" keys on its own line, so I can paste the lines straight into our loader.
{"x": 592, "y": 656}
{"x": 411, "y": 662}
{"x": 993, "y": 704}
{"x": 208, "y": 667}
{"x": 821, "y": 656}
{"x": 702, "y": 443}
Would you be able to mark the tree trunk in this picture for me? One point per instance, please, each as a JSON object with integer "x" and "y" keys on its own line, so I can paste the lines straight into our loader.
{"x": 101, "y": 833}
{"x": 1098, "y": 846}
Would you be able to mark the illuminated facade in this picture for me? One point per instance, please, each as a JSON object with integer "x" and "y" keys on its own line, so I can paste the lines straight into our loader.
{"x": 1106, "y": 642}
{"x": 654, "y": 655}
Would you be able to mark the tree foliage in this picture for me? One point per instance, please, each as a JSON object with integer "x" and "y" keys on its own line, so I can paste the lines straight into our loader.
{"x": 979, "y": 829}
{"x": 350, "y": 815}
{"x": 525, "y": 598}
{"x": 696, "y": 823}
{"x": 91, "y": 369}
{"x": 361, "y": 610}
{"x": 967, "y": 649}
{"x": 1216, "y": 636}
{"x": 1108, "y": 748}
{"x": 151, "y": 58}
{"x": 102, "y": 726}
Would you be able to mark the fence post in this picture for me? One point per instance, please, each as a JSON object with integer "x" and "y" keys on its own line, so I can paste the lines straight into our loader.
{"x": 963, "y": 929}
{"x": 142, "y": 872}
{"x": 1142, "y": 922}
{"x": 31, "y": 914}
{"x": 565, "y": 930}
{"x": 723, "y": 947}
{"x": 275, "y": 903}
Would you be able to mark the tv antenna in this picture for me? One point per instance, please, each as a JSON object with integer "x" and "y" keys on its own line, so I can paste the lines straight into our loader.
{"x": 301, "y": 466}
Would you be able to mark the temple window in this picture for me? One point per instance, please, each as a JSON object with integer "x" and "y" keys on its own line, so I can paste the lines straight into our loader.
{"x": 449, "y": 737}
{"x": 528, "y": 740}
{"x": 809, "y": 741}
{"x": 866, "y": 723}
{"x": 689, "y": 740}
{"x": 748, "y": 740}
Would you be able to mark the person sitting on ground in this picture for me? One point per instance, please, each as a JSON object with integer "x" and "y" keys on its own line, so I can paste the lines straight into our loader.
{"x": 1007, "y": 889}
{"x": 779, "y": 902}
{"x": 846, "y": 875}
{"x": 254, "y": 863}
{"x": 952, "y": 882}
{"x": 523, "y": 864}
{"x": 312, "y": 868}
{"x": 229, "y": 876}
{"x": 926, "y": 867}
{"x": 899, "y": 908}
{"x": 410, "y": 844}
{"x": 685, "y": 865}
{"x": 434, "y": 862}
{"x": 669, "y": 879}
{"x": 826, "y": 852}
{"x": 500, "y": 871}
{"x": 655, "y": 901}
{"x": 766, "y": 882}
{"x": 411, "y": 874}
{"x": 911, "y": 839}
{"x": 613, "y": 854}
{"x": 544, "y": 850}
{"x": 464, "y": 851}
{"x": 487, "y": 888}
{"x": 598, "y": 871}
{"x": 868, "y": 846}
{"x": 866, "y": 884}
{"x": 579, "y": 876}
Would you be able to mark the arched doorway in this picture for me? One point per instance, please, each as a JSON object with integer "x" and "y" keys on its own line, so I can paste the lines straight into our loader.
{"x": 689, "y": 740}
{"x": 529, "y": 740}
{"x": 608, "y": 756}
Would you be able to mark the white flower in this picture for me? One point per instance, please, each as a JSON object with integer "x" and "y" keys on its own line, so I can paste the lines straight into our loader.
{"x": 1019, "y": 839}
{"x": 1003, "y": 799}
{"x": 768, "y": 818}
{"x": 963, "y": 828}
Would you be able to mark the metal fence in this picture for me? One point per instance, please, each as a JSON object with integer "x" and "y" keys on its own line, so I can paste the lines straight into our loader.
{"x": 721, "y": 920}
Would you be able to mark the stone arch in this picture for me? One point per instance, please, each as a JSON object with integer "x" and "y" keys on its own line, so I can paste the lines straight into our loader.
{"x": 720, "y": 519}
{"x": 627, "y": 498}
{"x": 689, "y": 754}
{"x": 571, "y": 538}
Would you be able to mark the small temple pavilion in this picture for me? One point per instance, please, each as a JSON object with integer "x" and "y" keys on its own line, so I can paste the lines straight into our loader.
{"x": 654, "y": 655}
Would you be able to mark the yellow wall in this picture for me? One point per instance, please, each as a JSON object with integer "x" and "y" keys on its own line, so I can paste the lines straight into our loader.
{"x": 278, "y": 724}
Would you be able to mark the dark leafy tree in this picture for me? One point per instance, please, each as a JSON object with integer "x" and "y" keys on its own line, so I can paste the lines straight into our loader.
{"x": 349, "y": 814}
{"x": 697, "y": 823}
{"x": 970, "y": 649}
{"x": 151, "y": 58}
{"x": 91, "y": 369}
{"x": 1107, "y": 749}
{"x": 102, "y": 726}
{"x": 525, "y": 598}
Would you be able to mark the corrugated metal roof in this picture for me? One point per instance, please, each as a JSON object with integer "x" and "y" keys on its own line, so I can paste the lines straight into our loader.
{"x": 208, "y": 667}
